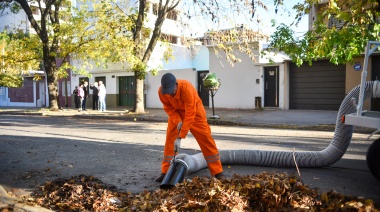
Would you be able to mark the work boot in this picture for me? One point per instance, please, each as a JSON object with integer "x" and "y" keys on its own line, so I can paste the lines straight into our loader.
{"x": 161, "y": 177}
{"x": 220, "y": 176}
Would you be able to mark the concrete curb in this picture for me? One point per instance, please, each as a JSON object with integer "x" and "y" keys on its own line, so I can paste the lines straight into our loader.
{"x": 6, "y": 200}
{"x": 148, "y": 118}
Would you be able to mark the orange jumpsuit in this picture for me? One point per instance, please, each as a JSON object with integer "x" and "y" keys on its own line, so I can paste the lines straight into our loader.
{"x": 186, "y": 106}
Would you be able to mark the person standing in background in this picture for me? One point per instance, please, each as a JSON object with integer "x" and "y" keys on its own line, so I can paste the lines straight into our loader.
{"x": 76, "y": 98}
{"x": 95, "y": 96}
{"x": 80, "y": 96}
{"x": 85, "y": 89}
{"x": 102, "y": 96}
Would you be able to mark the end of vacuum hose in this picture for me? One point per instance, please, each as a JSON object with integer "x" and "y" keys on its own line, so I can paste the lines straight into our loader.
{"x": 176, "y": 174}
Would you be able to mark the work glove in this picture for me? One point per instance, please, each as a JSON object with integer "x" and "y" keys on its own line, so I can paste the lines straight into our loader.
{"x": 179, "y": 126}
{"x": 177, "y": 144}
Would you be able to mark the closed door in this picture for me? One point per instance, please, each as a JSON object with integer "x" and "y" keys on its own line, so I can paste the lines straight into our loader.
{"x": 42, "y": 93}
{"x": 202, "y": 92}
{"x": 271, "y": 86}
{"x": 127, "y": 91}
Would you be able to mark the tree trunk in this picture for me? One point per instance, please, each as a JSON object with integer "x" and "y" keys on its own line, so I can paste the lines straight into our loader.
{"x": 145, "y": 55}
{"x": 52, "y": 82}
{"x": 139, "y": 101}
{"x": 53, "y": 93}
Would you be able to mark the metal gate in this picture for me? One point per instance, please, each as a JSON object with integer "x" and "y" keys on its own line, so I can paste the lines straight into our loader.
{"x": 317, "y": 87}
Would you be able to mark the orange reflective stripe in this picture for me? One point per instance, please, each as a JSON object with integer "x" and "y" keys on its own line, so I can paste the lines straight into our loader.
{"x": 212, "y": 158}
{"x": 168, "y": 158}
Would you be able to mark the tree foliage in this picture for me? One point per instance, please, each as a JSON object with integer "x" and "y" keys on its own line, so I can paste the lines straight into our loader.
{"x": 18, "y": 57}
{"x": 145, "y": 38}
{"x": 94, "y": 33}
{"x": 62, "y": 33}
{"x": 340, "y": 31}
{"x": 101, "y": 34}
{"x": 20, "y": 52}
{"x": 10, "y": 80}
{"x": 145, "y": 44}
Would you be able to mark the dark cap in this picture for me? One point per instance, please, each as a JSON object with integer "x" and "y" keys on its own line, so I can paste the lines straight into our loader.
{"x": 168, "y": 82}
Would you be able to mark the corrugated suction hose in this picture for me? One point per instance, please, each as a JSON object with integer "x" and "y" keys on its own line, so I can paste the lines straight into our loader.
{"x": 334, "y": 151}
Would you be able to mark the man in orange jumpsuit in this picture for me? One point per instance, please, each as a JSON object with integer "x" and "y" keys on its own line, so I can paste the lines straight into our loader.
{"x": 186, "y": 112}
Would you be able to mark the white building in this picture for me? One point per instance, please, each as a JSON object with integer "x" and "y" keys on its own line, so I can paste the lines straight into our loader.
{"x": 241, "y": 85}
{"x": 119, "y": 80}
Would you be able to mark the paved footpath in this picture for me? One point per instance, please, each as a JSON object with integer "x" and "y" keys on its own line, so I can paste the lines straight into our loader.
{"x": 226, "y": 116}
{"x": 274, "y": 118}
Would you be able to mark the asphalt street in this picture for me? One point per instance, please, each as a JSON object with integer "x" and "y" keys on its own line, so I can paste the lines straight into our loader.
{"x": 127, "y": 153}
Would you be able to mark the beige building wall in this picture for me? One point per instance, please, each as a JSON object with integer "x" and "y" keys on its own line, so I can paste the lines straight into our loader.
{"x": 353, "y": 77}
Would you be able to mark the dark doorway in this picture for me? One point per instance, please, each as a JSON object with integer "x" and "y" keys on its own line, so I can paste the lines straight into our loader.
{"x": 271, "y": 86}
{"x": 82, "y": 79}
{"x": 127, "y": 91}
{"x": 103, "y": 79}
{"x": 202, "y": 92}
{"x": 375, "y": 102}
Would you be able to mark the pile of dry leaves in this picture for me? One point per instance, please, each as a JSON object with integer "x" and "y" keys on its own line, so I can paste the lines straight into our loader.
{"x": 263, "y": 192}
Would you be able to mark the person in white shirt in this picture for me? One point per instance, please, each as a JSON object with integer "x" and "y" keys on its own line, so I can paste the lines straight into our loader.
{"x": 102, "y": 96}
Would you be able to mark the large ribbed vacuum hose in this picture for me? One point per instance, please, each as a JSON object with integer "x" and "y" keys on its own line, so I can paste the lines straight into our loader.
{"x": 325, "y": 157}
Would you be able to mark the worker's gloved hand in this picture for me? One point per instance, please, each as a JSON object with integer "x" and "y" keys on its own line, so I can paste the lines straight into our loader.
{"x": 177, "y": 144}
{"x": 179, "y": 126}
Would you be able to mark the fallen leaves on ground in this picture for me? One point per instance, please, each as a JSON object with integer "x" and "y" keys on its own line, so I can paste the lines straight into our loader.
{"x": 262, "y": 192}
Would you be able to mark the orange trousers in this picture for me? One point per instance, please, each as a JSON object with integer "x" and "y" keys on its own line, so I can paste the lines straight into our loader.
{"x": 202, "y": 133}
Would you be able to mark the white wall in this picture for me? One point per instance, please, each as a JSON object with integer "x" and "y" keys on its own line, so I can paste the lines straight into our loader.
{"x": 182, "y": 58}
{"x": 169, "y": 26}
{"x": 184, "y": 66}
{"x": 12, "y": 20}
{"x": 239, "y": 87}
{"x": 111, "y": 68}
{"x": 200, "y": 58}
{"x": 238, "y": 83}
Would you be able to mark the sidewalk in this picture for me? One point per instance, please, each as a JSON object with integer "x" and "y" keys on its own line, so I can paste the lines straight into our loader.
{"x": 243, "y": 117}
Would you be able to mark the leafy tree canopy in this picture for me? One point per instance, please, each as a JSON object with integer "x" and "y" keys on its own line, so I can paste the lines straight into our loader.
{"x": 20, "y": 53}
{"x": 340, "y": 31}
{"x": 62, "y": 34}
{"x": 11, "y": 81}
